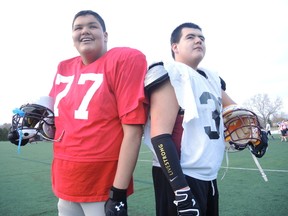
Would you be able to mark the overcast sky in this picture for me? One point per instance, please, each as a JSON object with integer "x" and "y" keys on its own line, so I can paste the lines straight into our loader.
{"x": 247, "y": 41}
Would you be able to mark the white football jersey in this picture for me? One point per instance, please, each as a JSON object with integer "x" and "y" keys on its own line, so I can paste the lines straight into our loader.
{"x": 202, "y": 145}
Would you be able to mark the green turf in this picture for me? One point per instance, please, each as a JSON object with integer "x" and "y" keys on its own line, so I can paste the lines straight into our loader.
{"x": 25, "y": 188}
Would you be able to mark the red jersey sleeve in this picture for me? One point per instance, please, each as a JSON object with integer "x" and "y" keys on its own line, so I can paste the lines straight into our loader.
{"x": 129, "y": 87}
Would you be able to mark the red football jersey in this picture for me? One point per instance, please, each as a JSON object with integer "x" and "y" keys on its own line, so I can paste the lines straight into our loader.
{"x": 91, "y": 104}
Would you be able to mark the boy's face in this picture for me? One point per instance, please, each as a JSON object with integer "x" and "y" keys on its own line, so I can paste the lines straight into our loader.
{"x": 191, "y": 47}
{"x": 88, "y": 36}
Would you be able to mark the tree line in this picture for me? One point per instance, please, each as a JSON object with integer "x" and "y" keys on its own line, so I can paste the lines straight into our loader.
{"x": 268, "y": 110}
{"x": 4, "y": 132}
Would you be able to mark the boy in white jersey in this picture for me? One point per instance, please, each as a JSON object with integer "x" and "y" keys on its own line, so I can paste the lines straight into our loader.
{"x": 185, "y": 127}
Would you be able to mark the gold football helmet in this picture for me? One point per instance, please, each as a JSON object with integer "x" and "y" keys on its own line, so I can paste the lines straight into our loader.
{"x": 241, "y": 127}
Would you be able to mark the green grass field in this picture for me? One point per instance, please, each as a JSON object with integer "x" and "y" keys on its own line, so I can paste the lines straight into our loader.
{"x": 25, "y": 188}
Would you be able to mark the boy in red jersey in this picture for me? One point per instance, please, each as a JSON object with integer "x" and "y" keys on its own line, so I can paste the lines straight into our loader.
{"x": 100, "y": 108}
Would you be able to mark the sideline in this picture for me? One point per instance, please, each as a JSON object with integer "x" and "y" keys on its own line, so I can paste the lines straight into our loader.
{"x": 237, "y": 168}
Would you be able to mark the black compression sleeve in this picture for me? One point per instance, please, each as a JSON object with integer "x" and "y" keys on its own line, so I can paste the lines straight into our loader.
{"x": 167, "y": 155}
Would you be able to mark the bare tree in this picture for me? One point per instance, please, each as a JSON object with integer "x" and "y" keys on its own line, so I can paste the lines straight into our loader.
{"x": 264, "y": 107}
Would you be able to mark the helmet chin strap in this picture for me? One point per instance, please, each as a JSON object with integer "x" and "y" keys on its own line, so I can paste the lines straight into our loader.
{"x": 54, "y": 140}
{"x": 22, "y": 132}
{"x": 255, "y": 160}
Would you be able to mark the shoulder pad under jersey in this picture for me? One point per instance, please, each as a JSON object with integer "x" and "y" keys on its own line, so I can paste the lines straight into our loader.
{"x": 155, "y": 75}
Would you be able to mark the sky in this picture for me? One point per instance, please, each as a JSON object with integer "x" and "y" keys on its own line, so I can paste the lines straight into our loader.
{"x": 247, "y": 41}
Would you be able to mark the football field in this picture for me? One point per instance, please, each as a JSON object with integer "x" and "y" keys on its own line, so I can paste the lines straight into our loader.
{"x": 25, "y": 187}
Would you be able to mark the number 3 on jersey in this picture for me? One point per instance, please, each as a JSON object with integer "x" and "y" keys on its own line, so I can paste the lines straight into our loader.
{"x": 215, "y": 114}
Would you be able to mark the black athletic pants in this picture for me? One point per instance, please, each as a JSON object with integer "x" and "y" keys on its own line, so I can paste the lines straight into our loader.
{"x": 206, "y": 194}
